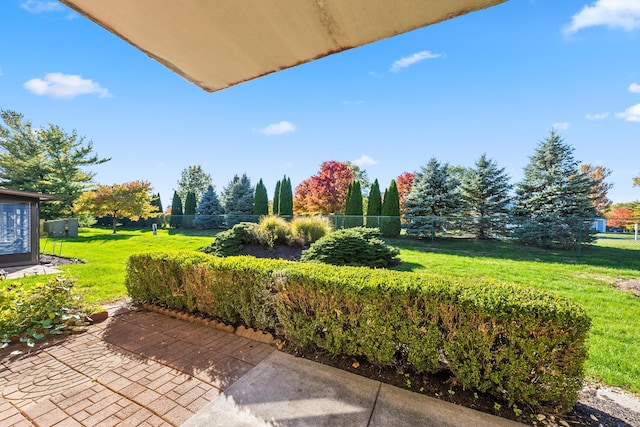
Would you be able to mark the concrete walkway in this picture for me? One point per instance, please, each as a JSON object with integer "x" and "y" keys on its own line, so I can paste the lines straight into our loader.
{"x": 142, "y": 368}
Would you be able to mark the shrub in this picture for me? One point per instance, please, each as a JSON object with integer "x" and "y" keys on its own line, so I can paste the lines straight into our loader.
{"x": 358, "y": 246}
{"x": 231, "y": 241}
{"x": 310, "y": 229}
{"x": 43, "y": 309}
{"x": 513, "y": 342}
{"x": 277, "y": 227}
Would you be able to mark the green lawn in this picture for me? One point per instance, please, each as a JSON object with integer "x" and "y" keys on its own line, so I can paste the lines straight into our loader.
{"x": 614, "y": 341}
{"x": 105, "y": 255}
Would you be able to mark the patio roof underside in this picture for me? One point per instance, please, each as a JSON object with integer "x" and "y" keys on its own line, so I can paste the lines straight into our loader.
{"x": 216, "y": 44}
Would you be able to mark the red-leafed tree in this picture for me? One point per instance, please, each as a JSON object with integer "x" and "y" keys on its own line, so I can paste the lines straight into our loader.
{"x": 404, "y": 182}
{"x": 620, "y": 216}
{"x": 325, "y": 192}
{"x": 600, "y": 188}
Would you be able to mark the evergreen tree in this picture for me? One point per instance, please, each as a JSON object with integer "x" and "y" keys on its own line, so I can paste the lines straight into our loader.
{"x": 434, "y": 194}
{"x": 485, "y": 194}
{"x": 276, "y": 199}
{"x": 209, "y": 212}
{"x": 189, "y": 209}
{"x": 176, "y": 211}
{"x": 261, "y": 200}
{"x": 552, "y": 206}
{"x": 285, "y": 200}
{"x": 237, "y": 200}
{"x": 157, "y": 204}
{"x": 353, "y": 209}
{"x": 374, "y": 205}
{"x": 390, "y": 221}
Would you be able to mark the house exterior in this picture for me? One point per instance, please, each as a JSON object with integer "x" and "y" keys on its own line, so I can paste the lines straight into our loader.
{"x": 20, "y": 227}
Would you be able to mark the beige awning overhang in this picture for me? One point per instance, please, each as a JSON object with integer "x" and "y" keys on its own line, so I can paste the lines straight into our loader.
{"x": 216, "y": 44}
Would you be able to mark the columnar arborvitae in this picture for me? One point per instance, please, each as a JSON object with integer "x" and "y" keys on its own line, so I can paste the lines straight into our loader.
{"x": 390, "y": 223}
{"x": 374, "y": 205}
{"x": 552, "y": 207}
{"x": 189, "y": 209}
{"x": 353, "y": 209}
{"x": 485, "y": 192}
{"x": 176, "y": 211}
{"x": 286, "y": 199}
{"x": 260, "y": 200}
{"x": 276, "y": 198}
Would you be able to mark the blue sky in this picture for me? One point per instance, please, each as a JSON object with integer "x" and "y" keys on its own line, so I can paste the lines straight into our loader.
{"x": 494, "y": 81}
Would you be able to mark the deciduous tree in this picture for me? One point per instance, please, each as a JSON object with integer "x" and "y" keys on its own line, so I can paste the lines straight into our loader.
{"x": 552, "y": 204}
{"x": 600, "y": 189}
{"x": 620, "y": 216}
{"x": 45, "y": 160}
{"x": 193, "y": 179}
{"x": 130, "y": 200}
{"x": 360, "y": 175}
{"x": 403, "y": 183}
{"x": 485, "y": 192}
{"x": 326, "y": 191}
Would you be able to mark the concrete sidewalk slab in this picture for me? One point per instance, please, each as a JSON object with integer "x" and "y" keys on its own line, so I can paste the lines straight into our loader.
{"x": 284, "y": 390}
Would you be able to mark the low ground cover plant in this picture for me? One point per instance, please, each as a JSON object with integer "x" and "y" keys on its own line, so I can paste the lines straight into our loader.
{"x": 513, "y": 342}
{"x": 31, "y": 313}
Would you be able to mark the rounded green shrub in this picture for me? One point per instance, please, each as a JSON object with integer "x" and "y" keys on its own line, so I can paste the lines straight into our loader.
{"x": 231, "y": 241}
{"x": 358, "y": 246}
{"x": 310, "y": 229}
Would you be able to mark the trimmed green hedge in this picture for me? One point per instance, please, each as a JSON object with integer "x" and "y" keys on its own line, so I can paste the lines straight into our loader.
{"x": 516, "y": 343}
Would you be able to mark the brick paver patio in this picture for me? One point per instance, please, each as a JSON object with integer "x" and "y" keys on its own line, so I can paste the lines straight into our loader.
{"x": 138, "y": 368}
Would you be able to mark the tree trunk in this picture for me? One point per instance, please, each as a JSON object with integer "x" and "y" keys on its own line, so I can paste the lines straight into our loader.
{"x": 115, "y": 221}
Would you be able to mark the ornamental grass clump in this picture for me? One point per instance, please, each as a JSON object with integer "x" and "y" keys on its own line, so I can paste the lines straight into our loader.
{"x": 310, "y": 229}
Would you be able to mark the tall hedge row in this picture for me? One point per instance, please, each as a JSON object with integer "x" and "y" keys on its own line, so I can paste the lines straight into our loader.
{"x": 516, "y": 343}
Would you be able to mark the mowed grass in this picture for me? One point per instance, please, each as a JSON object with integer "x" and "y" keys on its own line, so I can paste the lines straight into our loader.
{"x": 105, "y": 254}
{"x": 589, "y": 279}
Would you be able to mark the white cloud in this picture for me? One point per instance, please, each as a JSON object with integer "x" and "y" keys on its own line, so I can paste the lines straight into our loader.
{"x": 408, "y": 61}
{"x": 598, "y": 116}
{"x": 365, "y": 160}
{"x": 60, "y": 85}
{"x": 40, "y": 6}
{"x": 279, "y": 128}
{"x": 623, "y": 14}
{"x": 634, "y": 87}
{"x": 561, "y": 126}
{"x": 631, "y": 114}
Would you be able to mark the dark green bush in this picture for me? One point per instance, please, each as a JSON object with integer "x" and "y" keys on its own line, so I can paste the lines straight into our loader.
{"x": 515, "y": 343}
{"x": 231, "y": 242}
{"x": 358, "y": 246}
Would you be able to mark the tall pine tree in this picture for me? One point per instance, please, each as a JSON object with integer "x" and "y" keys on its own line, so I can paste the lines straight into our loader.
{"x": 485, "y": 192}
{"x": 276, "y": 199}
{"x": 261, "y": 200}
{"x": 238, "y": 200}
{"x": 176, "y": 211}
{"x": 390, "y": 221}
{"x": 285, "y": 200}
{"x": 434, "y": 194}
{"x": 353, "y": 209}
{"x": 553, "y": 206}
{"x": 374, "y": 205}
{"x": 209, "y": 213}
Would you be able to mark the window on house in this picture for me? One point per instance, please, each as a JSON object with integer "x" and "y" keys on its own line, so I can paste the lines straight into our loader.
{"x": 15, "y": 226}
